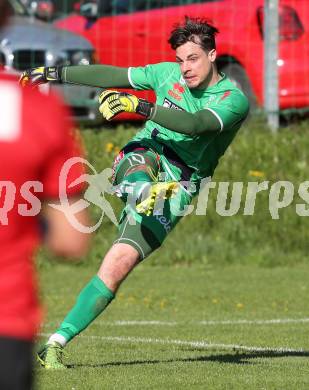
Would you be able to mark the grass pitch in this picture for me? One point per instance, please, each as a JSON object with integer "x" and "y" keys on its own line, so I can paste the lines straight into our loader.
{"x": 181, "y": 327}
{"x": 210, "y": 318}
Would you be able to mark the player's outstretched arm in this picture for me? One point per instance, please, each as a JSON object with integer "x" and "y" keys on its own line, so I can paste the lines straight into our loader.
{"x": 188, "y": 123}
{"x": 113, "y": 103}
{"x": 102, "y": 76}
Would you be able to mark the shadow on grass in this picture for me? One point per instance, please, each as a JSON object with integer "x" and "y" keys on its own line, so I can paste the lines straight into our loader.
{"x": 230, "y": 358}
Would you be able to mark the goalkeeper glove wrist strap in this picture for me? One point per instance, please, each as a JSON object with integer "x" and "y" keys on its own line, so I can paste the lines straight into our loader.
{"x": 53, "y": 73}
{"x": 145, "y": 108}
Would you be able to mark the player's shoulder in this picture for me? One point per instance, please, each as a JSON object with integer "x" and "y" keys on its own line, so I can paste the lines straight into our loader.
{"x": 165, "y": 64}
{"x": 164, "y": 72}
{"x": 163, "y": 67}
{"x": 234, "y": 94}
{"x": 228, "y": 85}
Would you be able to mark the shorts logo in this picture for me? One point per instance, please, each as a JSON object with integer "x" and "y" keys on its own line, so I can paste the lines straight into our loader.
{"x": 136, "y": 158}
{"x": 167, "y": 103}
{"x": 133, "y": 159}
{"x": 164, "y": 222}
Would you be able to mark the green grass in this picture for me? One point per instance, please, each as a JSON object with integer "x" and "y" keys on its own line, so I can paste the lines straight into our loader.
{"x": 225, "y": 269}
{"x": 181, "y": 297}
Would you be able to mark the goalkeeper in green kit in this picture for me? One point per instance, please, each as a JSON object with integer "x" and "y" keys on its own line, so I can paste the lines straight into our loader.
{"x": 197, "y": 114}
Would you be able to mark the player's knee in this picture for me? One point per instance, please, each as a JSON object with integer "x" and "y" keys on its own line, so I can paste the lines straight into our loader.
{"x": 118, "y": 262}
{"x": 121, "y": 267}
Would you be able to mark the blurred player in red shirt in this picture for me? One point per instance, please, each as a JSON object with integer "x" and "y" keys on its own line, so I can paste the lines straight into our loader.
{"x": 35, "y": 142}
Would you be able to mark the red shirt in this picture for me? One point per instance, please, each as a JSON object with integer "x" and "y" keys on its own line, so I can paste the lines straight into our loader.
{"x": 35, "y": 141}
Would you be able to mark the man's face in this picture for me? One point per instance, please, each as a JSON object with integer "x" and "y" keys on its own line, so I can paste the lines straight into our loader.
{"x": 195, "y": 64}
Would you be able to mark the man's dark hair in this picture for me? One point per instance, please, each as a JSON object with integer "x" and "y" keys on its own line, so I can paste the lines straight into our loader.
{"x": 190, "y": 30}
{"x": 5, "y": 11}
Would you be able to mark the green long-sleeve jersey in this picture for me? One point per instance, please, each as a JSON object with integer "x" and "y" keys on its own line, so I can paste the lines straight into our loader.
{"x": 226, "y": 102}
{"x": 197, "y": 124}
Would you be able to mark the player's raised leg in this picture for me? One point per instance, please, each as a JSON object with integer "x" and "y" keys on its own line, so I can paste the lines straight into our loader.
{"x": 134, "y": 243}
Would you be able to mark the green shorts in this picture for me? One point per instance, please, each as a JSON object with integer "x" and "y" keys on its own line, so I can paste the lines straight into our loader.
{"x": 147, "y": 233}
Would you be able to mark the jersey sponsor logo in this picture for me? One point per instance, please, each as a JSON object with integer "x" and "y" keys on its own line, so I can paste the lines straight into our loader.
{"x": 174, "y": 95}
{"x": 179, "y": 88}
{"x": 176, "y": 92}
{"x": 168, "y": 104}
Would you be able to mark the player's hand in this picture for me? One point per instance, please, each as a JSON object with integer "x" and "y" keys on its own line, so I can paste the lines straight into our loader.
{"x": 113, "y": 103}
{"x": 41, "y": 75}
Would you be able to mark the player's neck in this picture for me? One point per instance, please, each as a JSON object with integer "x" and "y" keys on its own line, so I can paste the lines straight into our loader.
{"x": 213, "y": 78}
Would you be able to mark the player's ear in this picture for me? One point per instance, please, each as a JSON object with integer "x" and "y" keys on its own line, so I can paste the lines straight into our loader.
{"x": 212, "y": 55}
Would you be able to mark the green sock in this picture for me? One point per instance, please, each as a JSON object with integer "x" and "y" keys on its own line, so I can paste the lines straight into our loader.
{"x": 92, "y": 300}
